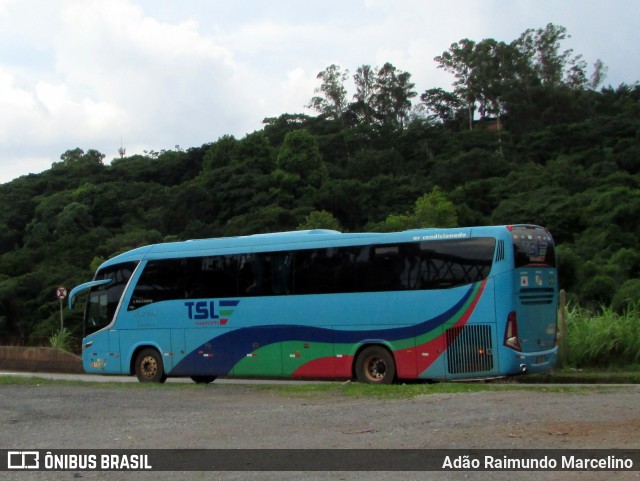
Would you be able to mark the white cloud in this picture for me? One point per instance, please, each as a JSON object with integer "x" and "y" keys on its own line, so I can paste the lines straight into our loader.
{"x": 150, "y": 69}
{"x": 84, "y": 73}
{"x": 119, "y": 73}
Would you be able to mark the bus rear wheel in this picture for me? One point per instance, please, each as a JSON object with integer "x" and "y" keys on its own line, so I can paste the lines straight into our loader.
{"x": 149, "y": 366}
{"x": 203, "y": 379}
{"x": 375, "y": 365}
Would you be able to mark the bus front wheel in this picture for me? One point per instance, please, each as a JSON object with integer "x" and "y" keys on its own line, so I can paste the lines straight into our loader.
{"x": 375, "y": 365}
{"x": 149, "y": 366}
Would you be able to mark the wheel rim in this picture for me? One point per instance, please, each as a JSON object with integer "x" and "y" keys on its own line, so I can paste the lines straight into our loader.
{"x": 148, "y": 367}
{"x": 375, "y": 368}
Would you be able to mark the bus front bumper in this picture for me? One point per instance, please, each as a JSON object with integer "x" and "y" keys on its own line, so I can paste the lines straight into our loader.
{"x": 530, "y": 362}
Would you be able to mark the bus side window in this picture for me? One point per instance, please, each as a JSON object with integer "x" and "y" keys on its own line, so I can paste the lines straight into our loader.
{"x": 281, "y": 273}
{"x": 212, "y": 277}
{"x": 161, "y": 280}
{"x": 309, "y": 272}
{"x": 257, "y": 277}
{"x": 410, "y": 275}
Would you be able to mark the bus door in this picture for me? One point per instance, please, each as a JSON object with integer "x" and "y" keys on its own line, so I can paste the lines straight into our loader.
{"x": 114, "y": 363}
{"x": 178, "y": 349}
{"x": 101, "y": 349}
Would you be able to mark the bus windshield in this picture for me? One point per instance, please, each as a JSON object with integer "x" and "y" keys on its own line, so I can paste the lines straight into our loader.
{"x": 532, "y": 246}
{"x": 104, "y": 299}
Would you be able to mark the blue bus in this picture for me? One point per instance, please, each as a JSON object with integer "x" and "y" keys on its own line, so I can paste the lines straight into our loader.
{"x": 429, "y": 304}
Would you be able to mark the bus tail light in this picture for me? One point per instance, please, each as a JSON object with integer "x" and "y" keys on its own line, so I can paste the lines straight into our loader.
{"x": 511, "y": 332}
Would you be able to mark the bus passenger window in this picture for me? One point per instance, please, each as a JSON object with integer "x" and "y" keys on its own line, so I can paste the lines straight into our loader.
{"x": 255, "y": 275}
{"x": 211, "y": 277}
{"x": 281, "y": 273}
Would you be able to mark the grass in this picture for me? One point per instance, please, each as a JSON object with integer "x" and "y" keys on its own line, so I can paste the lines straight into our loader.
{"x": 62, "y": 340}
{"x": 603, "y": 338}
{"x": 310, "y": 390}
{"x": 587, "y": 376}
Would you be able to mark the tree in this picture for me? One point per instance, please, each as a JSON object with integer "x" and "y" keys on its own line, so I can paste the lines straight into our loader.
{"x": 458, "y": 60}
{"x": 220, "y": 153}
{"x": 430, "y": 210}
{"x": 392, "y": 95}
{"x": 435, "y": 210}
{"x": 492, "y": 67}
{"x": 364, "y": 79}
{"x": 333, "y": 99}
{"x": 541, "y": 50}
{"x": 77, "y": 156}
{"x": 320, "y": 219}
{"x": 74, "y": 219}
{"x": 441, "y": 104}
{"x": 598, "y": 75}
{"x": 627, "y": 296}
{"x": 300, "y": 157}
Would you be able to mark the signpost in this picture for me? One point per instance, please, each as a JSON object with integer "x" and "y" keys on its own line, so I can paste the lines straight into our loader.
{"x": 61, "y": 294}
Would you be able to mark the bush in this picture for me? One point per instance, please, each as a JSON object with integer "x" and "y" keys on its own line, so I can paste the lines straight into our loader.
{"x": 62, "y": 340}
{"x": 604, "y": 339}
{"x": 598, "y": 289}
{"x": 627, "y": 297}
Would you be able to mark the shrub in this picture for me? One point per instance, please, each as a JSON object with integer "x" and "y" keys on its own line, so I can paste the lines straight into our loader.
{"x": 61, "y": 340}
{"x": 603, "y": 339}
{"x": 627, "y": 297}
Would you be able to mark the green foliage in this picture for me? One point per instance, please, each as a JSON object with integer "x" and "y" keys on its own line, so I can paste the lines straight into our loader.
{"x": 627, "y": 297}
{"x": 300, "y": 160}
{"x": 333, "y": 99}
{"x": 62, "y": 340}
{"x": 431, "y": 210}
{"x": 604, "y": 338}
{"x": 320, "y": 220}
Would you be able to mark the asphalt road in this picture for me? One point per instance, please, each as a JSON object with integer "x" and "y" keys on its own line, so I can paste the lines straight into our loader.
{"x": 233, "y": 414}
{"x": 133, "y": 379}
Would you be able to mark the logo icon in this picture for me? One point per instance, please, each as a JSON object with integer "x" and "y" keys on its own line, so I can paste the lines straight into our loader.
{"x": 23, "y": 460}
{"x": 210, "y": 313}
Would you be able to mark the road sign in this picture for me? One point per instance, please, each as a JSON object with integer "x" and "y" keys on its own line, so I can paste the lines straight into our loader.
{"x": 61, "y": 292}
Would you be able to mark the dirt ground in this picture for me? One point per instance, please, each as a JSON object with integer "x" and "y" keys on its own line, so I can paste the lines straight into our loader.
{"x": 57, "y": 416}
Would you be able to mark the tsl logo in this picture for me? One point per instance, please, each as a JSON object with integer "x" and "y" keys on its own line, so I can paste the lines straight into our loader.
{"x": 210, "y": 313}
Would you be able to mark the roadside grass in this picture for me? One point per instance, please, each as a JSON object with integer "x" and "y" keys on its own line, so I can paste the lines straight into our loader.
{"x": 604, "y": 338}
{"x": 310, "y": 390}
{"x": 627, "y": 375}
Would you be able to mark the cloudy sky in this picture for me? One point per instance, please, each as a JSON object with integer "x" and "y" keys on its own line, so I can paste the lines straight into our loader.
{"x": 154, "y": 74}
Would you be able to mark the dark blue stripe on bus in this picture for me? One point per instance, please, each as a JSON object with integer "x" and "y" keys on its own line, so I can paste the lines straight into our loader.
{"x": 229, "y": 348}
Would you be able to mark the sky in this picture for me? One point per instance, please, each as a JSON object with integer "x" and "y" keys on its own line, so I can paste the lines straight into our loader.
{"x": 149, "y": 75}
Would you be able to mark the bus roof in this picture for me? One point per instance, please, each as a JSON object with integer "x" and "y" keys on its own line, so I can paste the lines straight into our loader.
{"x": 307, "y": 239}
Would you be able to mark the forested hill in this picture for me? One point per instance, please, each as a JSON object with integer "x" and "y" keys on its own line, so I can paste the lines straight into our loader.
{"x": 526, "y": 135}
